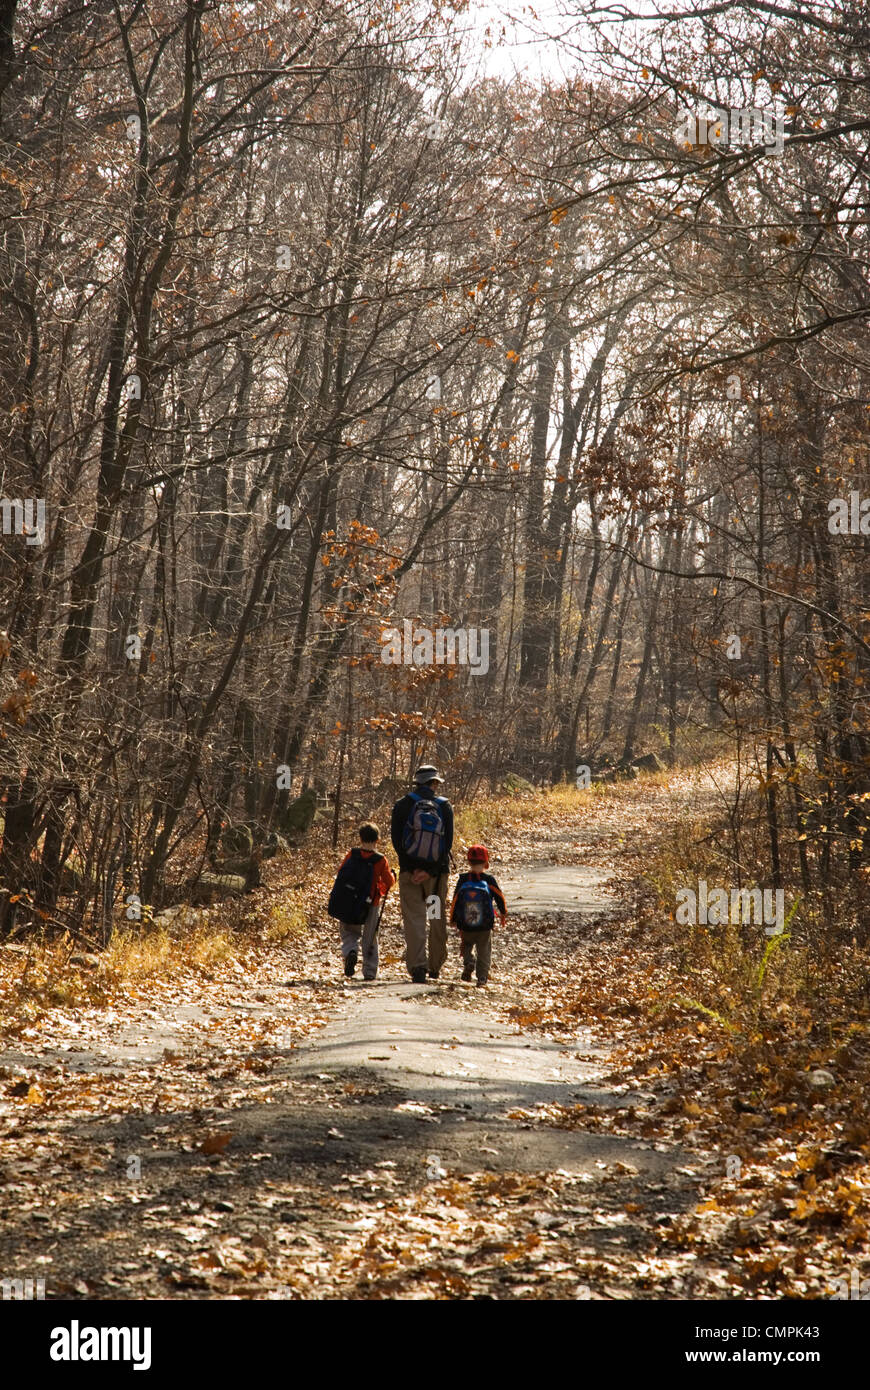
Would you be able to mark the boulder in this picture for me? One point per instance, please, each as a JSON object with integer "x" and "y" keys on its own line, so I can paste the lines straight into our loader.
{"x": 211, "y": 886}
{"x": 821, "y": 1080}
{"x": 275, "y": 844}
{"x": 168, "y": 915}
{"x": 237, "y": 841}
{"x": 247, "y": 868}
{"x": 299, "y": 815}
{"x": 86, "y": 960}
{"x": 622, "y": 772}
{"x": 514, "y": 783}
{"x": 649, "y": 762}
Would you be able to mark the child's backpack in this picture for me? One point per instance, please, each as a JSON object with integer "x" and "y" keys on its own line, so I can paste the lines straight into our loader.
{"x": 423, "y": 838}
{"x": 473, "y": 909}
{"x": 351, "y": 895}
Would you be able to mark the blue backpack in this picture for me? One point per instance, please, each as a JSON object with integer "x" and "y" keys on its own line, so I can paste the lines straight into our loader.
{"x": 473, "y": 909}
{"x": 423, "y": 837}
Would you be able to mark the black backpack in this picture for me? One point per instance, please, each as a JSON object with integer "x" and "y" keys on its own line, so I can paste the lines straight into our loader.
{"x": 351, "y": 895}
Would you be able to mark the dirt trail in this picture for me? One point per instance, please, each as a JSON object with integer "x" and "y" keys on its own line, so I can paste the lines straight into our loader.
{"x": 397, "y": 1152}
{"x": 465, "y": 1073}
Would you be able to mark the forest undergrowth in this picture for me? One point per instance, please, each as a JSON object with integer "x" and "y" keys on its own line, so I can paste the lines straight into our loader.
{"x": 761, "y": 1043}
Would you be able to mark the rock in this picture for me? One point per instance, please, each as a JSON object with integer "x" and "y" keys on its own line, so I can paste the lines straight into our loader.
{"x": 217, "y": 886}
{"x": 85, "y": 959}
{"x": 821, "y": 1080}
{"x": 237, "y": 841}
{"x": 168, "y": 914}
{"x": 247, "y": 868}
{"x": 514, "y": 783}
{"x": 275, "y": 844}
{"x": 649, "y": 762}
{"x": 299, "y": 815}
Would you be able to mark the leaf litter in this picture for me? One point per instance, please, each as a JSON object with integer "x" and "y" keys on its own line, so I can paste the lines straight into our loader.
{"x": 137, "y": 1176}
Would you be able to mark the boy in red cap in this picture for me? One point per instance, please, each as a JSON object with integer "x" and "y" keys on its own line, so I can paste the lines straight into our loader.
{"x": 476, "y": 899}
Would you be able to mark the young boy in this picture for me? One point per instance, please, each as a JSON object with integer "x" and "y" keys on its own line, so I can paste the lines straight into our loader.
{"x": 364, "y": 878}
{"x": 476, "y": 896}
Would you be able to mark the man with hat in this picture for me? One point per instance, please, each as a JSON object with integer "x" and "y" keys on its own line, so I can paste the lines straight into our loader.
{"x": 421, "y": 830}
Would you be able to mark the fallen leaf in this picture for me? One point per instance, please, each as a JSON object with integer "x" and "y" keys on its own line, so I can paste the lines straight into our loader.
{"x": 216, "y": 1143}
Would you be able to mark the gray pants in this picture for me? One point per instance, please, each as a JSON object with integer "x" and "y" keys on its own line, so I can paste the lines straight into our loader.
{"x": 356, "y": 936}
{"x": 481, "y": 942}
{"x": 424, "y": 930}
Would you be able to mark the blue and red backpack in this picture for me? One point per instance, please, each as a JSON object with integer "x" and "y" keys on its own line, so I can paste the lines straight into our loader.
{"x": 473, "y": 906}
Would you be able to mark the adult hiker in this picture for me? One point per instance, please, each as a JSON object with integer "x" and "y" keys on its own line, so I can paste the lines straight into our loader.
{"x": 421, "y": 830}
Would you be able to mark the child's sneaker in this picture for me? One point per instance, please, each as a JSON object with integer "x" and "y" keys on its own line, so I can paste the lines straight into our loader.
{"x": 350, "y": 963}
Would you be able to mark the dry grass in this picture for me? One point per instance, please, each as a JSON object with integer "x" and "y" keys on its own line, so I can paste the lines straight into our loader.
{"x": 157, "y": 951}
{"x": 488, "y": 815}
{"x": 53, "y": 974}
{"x": 288, "y": 920}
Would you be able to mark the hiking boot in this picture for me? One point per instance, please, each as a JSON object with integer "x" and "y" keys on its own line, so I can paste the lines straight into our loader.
{"x": 433, "y": 974}
{"x": 467, "y": 971}
{"x": 418, "y": 975}
{"x": 350, "y": 963}
{"x": 481, "y": 984}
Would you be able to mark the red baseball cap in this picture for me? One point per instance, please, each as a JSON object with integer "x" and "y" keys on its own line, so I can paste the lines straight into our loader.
{"x": 478, "y": 854}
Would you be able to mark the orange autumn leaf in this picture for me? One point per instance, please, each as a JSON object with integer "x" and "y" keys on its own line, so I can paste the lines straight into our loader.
{"x": 216, "y": 1143}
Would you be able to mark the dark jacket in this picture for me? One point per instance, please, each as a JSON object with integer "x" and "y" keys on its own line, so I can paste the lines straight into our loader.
{"x": 497, "y": 894}
{"x": 401, "y": 812}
